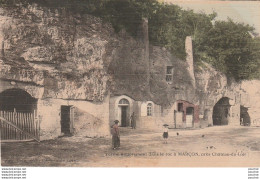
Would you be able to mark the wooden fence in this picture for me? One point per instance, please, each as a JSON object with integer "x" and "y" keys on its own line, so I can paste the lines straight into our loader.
{"x": 19, "y": 126}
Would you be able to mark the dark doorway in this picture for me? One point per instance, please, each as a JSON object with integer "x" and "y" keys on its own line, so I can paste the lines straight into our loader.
{"x": 123, "y": 115}
{"x": 190, "y": 111}
{"x": 189, "y": 116}
{"x": 67, "y": 120}
{"x": 221, "y": 112}
{"x": 244, "y": 116}
{"x": 180, "y": 107}
{"x": 17, "y": 99}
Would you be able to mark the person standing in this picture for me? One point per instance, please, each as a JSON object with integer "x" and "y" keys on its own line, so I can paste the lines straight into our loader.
{"x": 165, "y": 133}
{"x": 133, "y": 120}
{"x": 115, "y": 135}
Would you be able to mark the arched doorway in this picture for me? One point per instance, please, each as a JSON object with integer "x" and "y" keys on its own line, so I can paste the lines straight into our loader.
{"x": 244, "y": 116}
{"x": 18, "y": 119}
{"x": 221, "y": 112}
{"x": 124, "y": 112}
{"x": 17, "y": 99}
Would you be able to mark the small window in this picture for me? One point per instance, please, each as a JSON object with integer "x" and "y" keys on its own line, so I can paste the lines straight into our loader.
{"x": 124, "y": 102}
{"x": 149, "y": 109}
{"x": 169, "y": 73}
{"x": 189, "y": 111}
{"x": 180, "y": 107}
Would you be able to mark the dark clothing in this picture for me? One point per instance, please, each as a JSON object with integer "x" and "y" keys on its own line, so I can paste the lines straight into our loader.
{"x": 165, "y": 135}
{"x": 133, "y": 122}
{"x": 115, "y": 136}
{"x": 115, "y": 141}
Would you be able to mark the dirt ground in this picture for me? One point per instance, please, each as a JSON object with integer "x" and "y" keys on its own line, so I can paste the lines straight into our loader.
{"x": 210, "y": 147}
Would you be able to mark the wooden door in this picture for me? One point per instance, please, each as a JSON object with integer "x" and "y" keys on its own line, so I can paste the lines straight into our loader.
{"x": 189, "y": 116}
{"x": 123, "y": 116}
{"x": 67, "y": 120}
{"x": 189, "y": 119}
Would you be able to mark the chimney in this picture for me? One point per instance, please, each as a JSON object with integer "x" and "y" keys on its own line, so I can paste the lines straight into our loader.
{"x": 1, "y": 45}
{"x": 143, "y": 36}
{"x": 189, "y": 58}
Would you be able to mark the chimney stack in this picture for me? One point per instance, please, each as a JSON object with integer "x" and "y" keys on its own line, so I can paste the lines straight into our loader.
{"x": 143, "y": 36}
{"x": 189, "y": 58}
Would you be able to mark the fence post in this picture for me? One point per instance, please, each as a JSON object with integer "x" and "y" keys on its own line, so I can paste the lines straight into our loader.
{"x": 36, "y": 124}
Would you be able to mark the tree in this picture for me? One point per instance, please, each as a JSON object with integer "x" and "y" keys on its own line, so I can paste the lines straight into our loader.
{"x": 230, "y": 47}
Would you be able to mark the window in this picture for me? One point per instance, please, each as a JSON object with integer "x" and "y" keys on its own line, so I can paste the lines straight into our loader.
{"x": 123, "y": 102}
{"x": 169, "y": 73}
{"x": 189, "y": 111}
{"x": 149, "y": 109}
{"x": 180, "y": 107}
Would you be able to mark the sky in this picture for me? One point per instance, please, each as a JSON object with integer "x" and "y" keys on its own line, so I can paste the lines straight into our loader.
{"x": 247, "y": 12}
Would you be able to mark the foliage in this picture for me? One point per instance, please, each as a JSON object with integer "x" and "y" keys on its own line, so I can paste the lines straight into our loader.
{"x": 230, "y": 48}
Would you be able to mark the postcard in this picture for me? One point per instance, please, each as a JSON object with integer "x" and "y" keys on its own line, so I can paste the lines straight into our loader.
{"x": 112, "y": 83}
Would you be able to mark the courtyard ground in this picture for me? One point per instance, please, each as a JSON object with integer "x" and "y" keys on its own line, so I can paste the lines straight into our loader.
{"x": 220, "y": 146}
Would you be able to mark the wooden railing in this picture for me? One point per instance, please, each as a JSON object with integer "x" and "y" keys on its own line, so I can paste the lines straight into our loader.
{"x": 19, "y": 126}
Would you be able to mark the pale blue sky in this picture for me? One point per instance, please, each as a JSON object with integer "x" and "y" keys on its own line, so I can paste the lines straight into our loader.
{"x": 247, "y": 12}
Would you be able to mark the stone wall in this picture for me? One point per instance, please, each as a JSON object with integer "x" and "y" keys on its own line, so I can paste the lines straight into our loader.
{"x": 211, "y": 87}
{"x": 91, "y": 120}
{"x": 181, "y": 86}
{"x": 139, "y": 108}
{"x": 154, "y": 121}
{"x": 115, "y": 109}
{"x": 34, "y": 91}
{"x": 250, "y": 98}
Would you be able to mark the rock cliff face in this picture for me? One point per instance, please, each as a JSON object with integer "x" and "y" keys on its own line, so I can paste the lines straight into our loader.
{"x": 181, "y": 85}
{"x": 250, "y": 99}
{"x": 73, "y": 56}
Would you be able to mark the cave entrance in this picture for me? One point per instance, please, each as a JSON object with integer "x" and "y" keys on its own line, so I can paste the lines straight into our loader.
{"x": 17, "y": 100}
{"x": 67, "y": 120}
{"x": 124, "y": 112}
{"x": 18, "y": 116}
{"x": 221, "y": 112}
{"x": 244, "y": 116}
